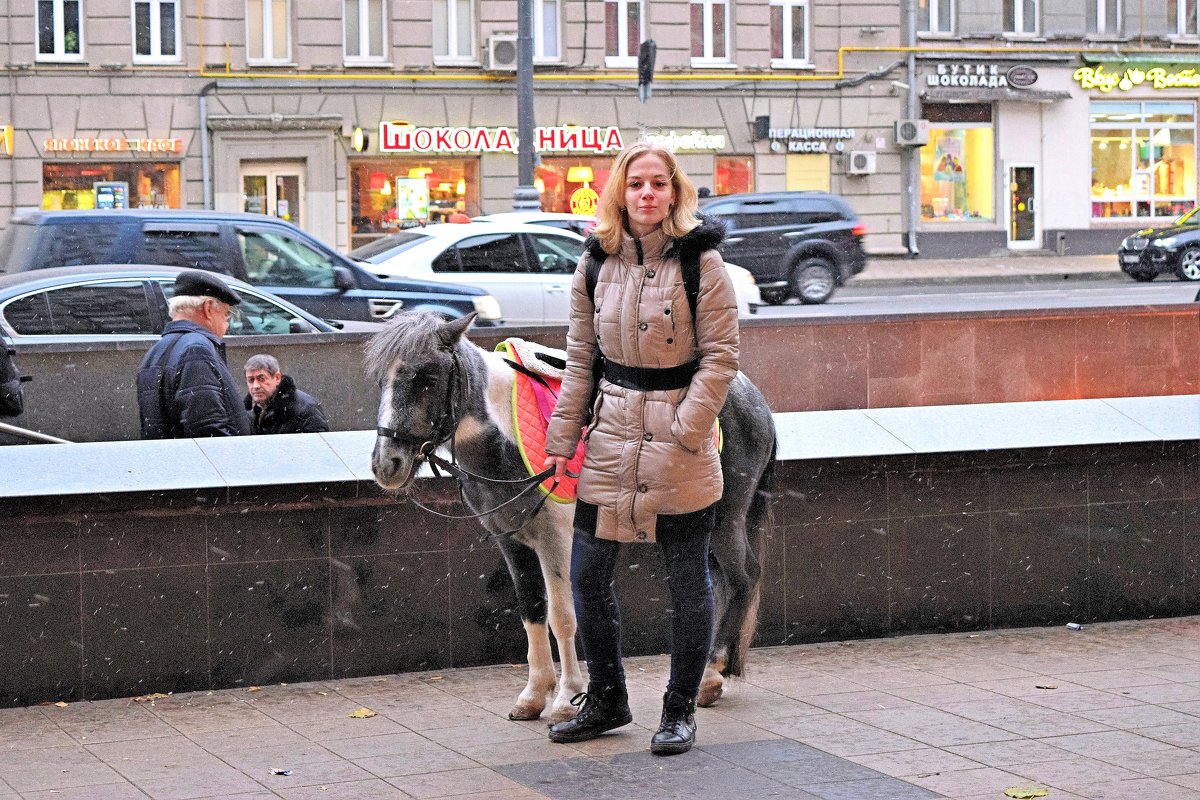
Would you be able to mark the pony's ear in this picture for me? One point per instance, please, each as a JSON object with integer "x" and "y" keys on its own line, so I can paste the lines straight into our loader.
{"x": 452, "y": 331}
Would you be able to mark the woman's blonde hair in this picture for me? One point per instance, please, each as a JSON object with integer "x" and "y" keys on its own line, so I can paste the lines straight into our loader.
{"x": 610, "y": 224}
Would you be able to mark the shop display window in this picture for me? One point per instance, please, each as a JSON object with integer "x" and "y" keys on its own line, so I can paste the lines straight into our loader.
{"x": 561, "y": 179}
{"x": 86, "y": 185}
{"x": 734, "y": 174}
{"x": 388, "y": 195}
{"x": 1143, "y": 159}
{"x": 958, "y": 174}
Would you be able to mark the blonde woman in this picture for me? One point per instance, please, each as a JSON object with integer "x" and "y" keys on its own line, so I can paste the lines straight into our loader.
{"x": 652, "y": 471}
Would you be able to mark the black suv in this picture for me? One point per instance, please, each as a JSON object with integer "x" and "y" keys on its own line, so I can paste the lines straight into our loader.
{"x": 262, "y": 251}
{"x": 797, "y": 244}
{"x": 1173, "y": 247}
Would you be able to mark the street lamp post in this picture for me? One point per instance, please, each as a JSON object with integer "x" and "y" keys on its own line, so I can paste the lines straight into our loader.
{"x": 526, "y": 196}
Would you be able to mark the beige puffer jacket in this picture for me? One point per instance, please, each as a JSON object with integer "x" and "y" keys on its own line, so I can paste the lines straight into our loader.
{"x": 648, "y": 453}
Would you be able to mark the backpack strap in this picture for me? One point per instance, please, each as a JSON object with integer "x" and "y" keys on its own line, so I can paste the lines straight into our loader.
{"x": 689, "y": 263}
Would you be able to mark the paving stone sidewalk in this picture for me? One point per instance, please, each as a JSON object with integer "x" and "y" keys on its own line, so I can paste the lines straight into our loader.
{"x": 1111, "y": 712}
{"x": 1005, "y": 267}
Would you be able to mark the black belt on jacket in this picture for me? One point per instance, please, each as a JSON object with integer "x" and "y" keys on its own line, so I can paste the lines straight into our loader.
{"x": 649, "y": 379}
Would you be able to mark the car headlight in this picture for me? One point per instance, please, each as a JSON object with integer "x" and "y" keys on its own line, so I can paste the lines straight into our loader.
{"x": 1166, "y": 241}
{"x": 487, "y": 307}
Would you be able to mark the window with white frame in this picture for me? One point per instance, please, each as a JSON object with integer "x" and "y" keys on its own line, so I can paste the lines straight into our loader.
{"x": 59, "y": 30}
{"x": 1183, "y": 17}
{"x": 365, "y": 24}
{"x": 624, "y": 29}
{"x": 155, "y": 31}
{"x": 547, "y": 29}
{"x": 710, "y": 31}
{"x": 790, "y": 24}
{"x": 935, "y": 16}
{"x": 454, "y": 32}
{"x": 1021, "y": 16}
{"x": 268, "y": 31}
{"x": 1104, "y": 16}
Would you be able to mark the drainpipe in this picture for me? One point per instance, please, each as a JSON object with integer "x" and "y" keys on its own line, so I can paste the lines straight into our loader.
{"x": 911, "y": 160}
{"x": 204, "y": 158}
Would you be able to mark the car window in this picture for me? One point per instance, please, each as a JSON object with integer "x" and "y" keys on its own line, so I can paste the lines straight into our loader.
{"x": 96, "y": 308}
{"x": 16, "y": 247}
{"x": 558, "y": 254}
{"x": 814, "y": 210}
{"x": 74, "y": 244}
{"x": 256, "y": 315}
{"x": 191, "y": 249}
{"x": 381, "y": 250}
{"x": 766, "y": 213}
{"x": 275, "y": 259}
{"x": 497, "y": 252}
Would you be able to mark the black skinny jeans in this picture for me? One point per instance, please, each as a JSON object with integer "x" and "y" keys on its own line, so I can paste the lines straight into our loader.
{"x": 684, "y": 539}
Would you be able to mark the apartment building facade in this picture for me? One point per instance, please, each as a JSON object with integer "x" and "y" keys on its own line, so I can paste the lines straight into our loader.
{"x": 1041, "y": 123}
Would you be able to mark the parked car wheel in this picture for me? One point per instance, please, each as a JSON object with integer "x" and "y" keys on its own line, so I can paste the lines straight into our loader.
{"x": 1189, "y": 264}
{"x": 813, "y": 281}
{"x": 773, "y": 297}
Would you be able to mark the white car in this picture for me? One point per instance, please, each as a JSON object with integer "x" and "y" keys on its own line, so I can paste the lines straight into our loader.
{"x": 554, "y": 219}
{"x": 527, "y": 268}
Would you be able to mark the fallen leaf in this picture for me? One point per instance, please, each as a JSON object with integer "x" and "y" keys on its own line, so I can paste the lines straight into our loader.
{"x": 435, "y": 678}
{"x": 149, "y": 698}
{"x": 61, "y": 704}
{"x": 323, "y": 694}
{"x": 1026, "y": 793}
{"x": 254, "y": 689}
{"x": 363, "y": 713}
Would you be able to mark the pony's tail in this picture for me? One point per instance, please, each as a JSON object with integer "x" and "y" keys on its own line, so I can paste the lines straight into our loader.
{"x": 759, "y": 523}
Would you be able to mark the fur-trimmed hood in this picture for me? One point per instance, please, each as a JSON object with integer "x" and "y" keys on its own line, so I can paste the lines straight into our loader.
{"x": 707, "y": 236}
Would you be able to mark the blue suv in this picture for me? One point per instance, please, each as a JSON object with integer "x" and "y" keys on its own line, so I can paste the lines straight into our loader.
{"x": 262, "y": 251}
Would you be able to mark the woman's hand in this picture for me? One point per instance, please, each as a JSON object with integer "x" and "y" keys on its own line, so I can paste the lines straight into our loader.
{"x": 558, "y": 462}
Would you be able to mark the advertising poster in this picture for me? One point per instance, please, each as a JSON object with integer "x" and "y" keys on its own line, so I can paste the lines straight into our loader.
{"x": 948, "y": 160}
{"x": 412, "y": 198}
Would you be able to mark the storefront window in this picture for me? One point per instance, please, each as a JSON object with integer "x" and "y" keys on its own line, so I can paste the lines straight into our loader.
{"x": 560, "y": 178}
{"x": 1143, "y": 159}
{"x": 958, "y": 165}
{"x": 87, "y": 185}
{"x": 734, "y": 174}
{"x": 392, "y": 194}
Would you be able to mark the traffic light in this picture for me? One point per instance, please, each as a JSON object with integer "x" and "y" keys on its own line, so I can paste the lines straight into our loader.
{"x": 646, "y": 54}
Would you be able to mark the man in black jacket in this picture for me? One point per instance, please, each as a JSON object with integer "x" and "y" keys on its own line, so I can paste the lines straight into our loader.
{"x": 184, "y": 387}
{"x": 275, "y": 403}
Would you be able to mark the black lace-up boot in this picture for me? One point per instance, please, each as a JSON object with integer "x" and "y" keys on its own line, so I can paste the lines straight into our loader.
{"x": 677, "y": 730}
{"x": 603, "y": 706}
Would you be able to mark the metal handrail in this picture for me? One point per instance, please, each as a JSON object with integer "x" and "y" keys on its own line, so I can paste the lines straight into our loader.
{"x": 34, "y": 436}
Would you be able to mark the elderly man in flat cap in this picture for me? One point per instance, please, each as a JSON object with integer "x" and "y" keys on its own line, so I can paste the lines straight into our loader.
{"x": 184, "y": 386}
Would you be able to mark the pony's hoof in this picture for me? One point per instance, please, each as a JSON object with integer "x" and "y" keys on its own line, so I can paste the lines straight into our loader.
{"x": 563, "y": 714}
{"x": 522, "y": 711}
{"x": 709, "y": 695}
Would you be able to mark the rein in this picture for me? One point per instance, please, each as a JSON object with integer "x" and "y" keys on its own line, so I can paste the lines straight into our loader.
{"x": 443, "y": 432}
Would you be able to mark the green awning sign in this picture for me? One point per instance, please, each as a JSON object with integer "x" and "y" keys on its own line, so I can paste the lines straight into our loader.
{"x": 1126, "y": 78}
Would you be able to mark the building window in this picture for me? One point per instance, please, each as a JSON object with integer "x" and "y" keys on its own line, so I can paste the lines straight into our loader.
{"x": 1143, "y": 159}
{"x": 547, "y": 25}
{"x": 59, "y": 30}
{"x": 388, "y": 195}
{"x": 365, "y": 23}
{"x": 789, "y": 33}
{"x": 1021, "y": 16}
{"x": 1104, "y": 16}
{"x": 1183, "y": 17}
{"x": 124, "y": 184}
{"x": 958, "y": 166}
{"x": 155, "y": 31}
{"x": 559, "y": 178}
{"x": 935, "y": 16}
{"x": 624, "y": 22}
{"x": 454, "y": 32}
{"x": 268, "y": 32}
{"x": 733, "y": 175}
{"x": 710, "y": 32}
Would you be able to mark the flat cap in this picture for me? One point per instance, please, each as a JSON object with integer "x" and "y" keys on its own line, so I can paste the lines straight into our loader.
{"x": 197, "y": 283}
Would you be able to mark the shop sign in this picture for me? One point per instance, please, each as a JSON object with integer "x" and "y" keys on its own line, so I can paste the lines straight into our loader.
{"x": 398, "y": 137}
{"x": 988, "y": 76}
{"x": 585, "y": 201}
{"x": 112, "y": 145}
{"x": 688, "y": 141}
{"x": 809, "y": 140}
{"x": 1170, "y": 77}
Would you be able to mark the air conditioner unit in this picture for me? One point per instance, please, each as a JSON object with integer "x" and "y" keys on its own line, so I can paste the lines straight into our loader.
{"x": 912, "y": 132}
{"x": 502, "y": 52}
{"x": 862, "y": 162}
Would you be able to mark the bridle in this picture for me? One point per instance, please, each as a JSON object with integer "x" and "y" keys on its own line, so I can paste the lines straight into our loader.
{"x": 441, "y": 433}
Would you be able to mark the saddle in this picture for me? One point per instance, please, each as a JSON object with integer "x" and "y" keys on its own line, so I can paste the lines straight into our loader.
{"x": 537, "y": 379}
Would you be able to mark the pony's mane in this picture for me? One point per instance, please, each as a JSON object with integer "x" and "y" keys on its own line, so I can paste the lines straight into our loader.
{"x": 409, "y": 337}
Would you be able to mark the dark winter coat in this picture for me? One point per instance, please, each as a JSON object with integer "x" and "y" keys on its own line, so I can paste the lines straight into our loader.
{"x": 289, "y": 410}
{"x": 184, "y": 387}
{"x": 649, "y": 452}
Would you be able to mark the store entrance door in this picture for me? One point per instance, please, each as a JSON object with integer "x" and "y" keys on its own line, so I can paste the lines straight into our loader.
{"x": 274, "y": 188}
{"x": 1024, "y": 226}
